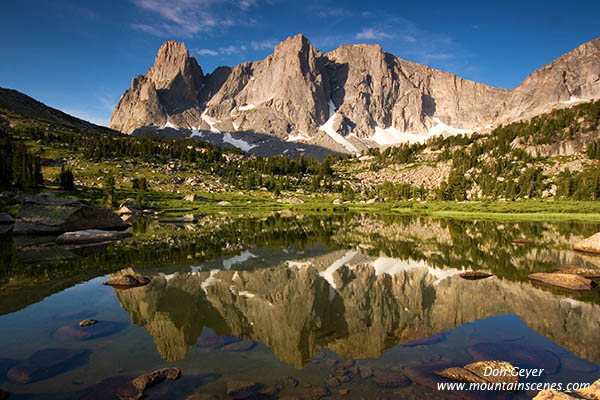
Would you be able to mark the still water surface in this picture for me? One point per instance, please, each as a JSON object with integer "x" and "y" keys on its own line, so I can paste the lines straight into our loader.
{"x": 372, "y": 304}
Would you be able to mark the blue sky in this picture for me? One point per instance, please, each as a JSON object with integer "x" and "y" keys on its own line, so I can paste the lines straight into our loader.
{"x": 80, "y": 55}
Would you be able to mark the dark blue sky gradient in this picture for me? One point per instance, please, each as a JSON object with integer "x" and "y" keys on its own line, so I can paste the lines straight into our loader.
{"x": 80, "y": 55}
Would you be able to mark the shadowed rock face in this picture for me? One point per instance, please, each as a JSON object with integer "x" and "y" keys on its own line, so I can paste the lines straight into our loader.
{"x": 293, "y": 92}
{"x": 355, "y": 305}
{"x": 41, "y": 215}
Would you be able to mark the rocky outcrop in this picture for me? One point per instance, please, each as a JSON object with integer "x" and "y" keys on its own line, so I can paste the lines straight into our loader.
{"x": 350, "y": 98}
{"x": 47, "y": 215}
{"x": 169, "y": 90}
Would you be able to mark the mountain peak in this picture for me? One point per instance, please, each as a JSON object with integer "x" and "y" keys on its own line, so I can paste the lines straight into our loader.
{"x": 172, "y": 47}
{"x": 297, "y": 42}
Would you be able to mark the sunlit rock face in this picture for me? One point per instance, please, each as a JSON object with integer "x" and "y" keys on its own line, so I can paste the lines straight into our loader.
{"x": 354, "y": 97}
{"x": 351, "y": 303}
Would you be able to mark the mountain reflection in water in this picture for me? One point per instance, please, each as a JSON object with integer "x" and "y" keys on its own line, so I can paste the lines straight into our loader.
{"x": 309, "y": 293}
{"x": 348, "y": 302}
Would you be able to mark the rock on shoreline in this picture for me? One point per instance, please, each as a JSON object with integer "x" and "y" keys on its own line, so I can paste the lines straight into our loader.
{"x": 48, "y": 215}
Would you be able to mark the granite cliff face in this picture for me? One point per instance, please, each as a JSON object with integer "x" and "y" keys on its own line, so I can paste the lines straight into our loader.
{"x": 354, "y": 97}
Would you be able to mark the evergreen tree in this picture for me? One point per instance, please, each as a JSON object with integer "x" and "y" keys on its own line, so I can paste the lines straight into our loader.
{"x": 65, "y": 178}
{"x": 109, "y": 191}
{"x": 6, "y": 159}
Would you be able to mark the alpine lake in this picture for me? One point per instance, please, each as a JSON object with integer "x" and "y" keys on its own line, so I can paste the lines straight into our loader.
{"x": 308, "y": 306}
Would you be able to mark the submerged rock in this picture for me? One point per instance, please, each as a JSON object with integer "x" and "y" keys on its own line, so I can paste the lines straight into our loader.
{"x": 91, "y": 236}
{"x": 390, "y": 379}
{"x": 365, "y": 372}
{"x": 116, "y": 387}
{"x": 242, "y": 389}
{"x": 243, "y": 345}
{"x": 125, "y": 388}
{"x": 475, "y": 275}
{"x": 47, "y": 215}
{"x": 78, "y": 332}
{"x": 150, "y": 379}
{"x": 44, "y": 364}
{"x": 128, "y": 281}
{"x": 589, "y": 245}
{"x": 425, "y": 374}
{"x": 563, "y": 281}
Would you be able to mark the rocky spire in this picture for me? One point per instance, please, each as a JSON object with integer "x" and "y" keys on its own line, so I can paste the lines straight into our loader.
{"x": 168, "y": 89}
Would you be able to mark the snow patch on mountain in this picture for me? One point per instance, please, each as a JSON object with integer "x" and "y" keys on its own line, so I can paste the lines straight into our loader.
{"x": 211, "y": 122}
{"x": 327, "y": 127}
{"x": 239, "y": 143}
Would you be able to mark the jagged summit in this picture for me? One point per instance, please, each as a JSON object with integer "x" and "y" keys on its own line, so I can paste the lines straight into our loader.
{"x": 354, "y": 97}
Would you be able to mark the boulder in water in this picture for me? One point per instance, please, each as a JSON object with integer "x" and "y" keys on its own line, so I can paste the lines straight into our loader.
{"x": 478, "y": 372}
{"x": 563, "y": 281}
{"x": 128, "y": 281}
{"x": 150, "y": 379}
{"x": 78, "y": 332}
{"x": 589, "y": 245}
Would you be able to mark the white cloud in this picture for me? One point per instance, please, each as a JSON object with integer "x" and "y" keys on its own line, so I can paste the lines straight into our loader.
{"x": 373, "y": 34}
{"x": 245, "y": 4}
{"x": 232, "y": 49}
{"x": 186, "y": 18}
{"x": 207, "y": 52}
{"x": 264, "y": 44}
{"x": 334, "y": 12}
